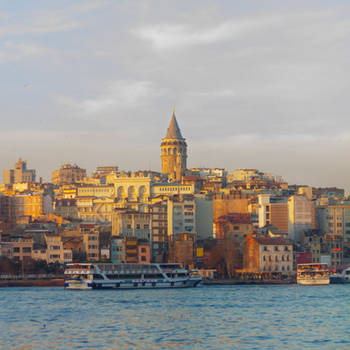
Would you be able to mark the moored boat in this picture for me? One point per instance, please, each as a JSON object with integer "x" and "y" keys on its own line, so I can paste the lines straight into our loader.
{"x": 340, "y": 278}
{"x": 128, "y": 276}
{"x": 315, "y": 274}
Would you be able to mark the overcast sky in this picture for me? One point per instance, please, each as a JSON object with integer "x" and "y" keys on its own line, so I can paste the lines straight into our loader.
{"x": 256, "y": 84}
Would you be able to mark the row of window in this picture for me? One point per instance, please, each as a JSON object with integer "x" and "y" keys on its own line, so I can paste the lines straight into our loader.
{"x": 276, "y": 249}
{"x": 138, "y": 226}
{"x": 270, "y": 258}
{"x": 269, "y": 268}
{"x": 174, "y": 189}
{"x": 24, "y": 250}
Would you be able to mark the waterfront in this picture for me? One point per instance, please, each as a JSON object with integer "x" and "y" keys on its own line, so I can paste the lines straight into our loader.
{"x": 221, "y": 317}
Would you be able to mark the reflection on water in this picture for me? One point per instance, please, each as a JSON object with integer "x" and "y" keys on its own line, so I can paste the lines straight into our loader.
{"x": 220, "y": 317}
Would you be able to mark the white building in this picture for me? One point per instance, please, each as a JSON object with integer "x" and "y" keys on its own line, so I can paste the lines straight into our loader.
{"x": 300, "y": 213}
{"x": 181, "y": 216}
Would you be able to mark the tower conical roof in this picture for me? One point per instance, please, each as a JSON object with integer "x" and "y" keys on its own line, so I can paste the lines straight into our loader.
{"x": 173, "y": 129}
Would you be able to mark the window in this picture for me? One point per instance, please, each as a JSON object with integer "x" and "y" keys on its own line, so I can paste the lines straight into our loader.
{"x": 265, "y": 248}
{"x": 137, "y": 226}
{"x": 16, "y": 249}
{"x": 146, "y": 226}
{"x": 26, "y": 249}
{"x": 128, "y": 226}
{"x": 276, "y": 248}
{"x": 143, "y": 250}
{"x": 236, "y": 228}
{"x": 143, "y": 258}
{"x": 264, "y": 258}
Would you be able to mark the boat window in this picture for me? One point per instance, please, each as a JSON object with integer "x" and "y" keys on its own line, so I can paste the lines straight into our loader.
{"x": 129, "y": 276}
{"x": 153, "y": 275}
{"x": 170, "y": 266}
{"x": 98, "y": 277}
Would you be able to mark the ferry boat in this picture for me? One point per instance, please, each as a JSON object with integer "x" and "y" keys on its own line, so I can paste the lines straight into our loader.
{"x": 343, "y": 277}
{"x": 128, "y": 276}
{"x": 313, "y": 274}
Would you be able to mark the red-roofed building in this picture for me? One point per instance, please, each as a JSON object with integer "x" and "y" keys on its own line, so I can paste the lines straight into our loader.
{"x": 267, "y": 254}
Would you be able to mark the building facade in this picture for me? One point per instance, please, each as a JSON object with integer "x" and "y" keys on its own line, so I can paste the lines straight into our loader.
{"x": 68, "y": 174}
{"x": 267, "y": 254}
{"x": 19, "y": 174}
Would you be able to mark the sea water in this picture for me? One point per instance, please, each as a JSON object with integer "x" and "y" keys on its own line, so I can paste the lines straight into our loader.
{"x": 206, "y": 317}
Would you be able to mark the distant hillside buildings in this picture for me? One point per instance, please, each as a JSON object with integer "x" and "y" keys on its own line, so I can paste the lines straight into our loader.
{"x": 244, "y": 222}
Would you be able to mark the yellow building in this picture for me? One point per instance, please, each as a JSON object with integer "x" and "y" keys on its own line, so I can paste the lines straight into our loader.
{"x": 130, "y": 188}
{"x": 174, "y": 151}
{"x": 68, "y": 174}
{"x": 130, "y": 223}
{"x": 55, "y": 252}
{"x": 91, "y": 241}
{"x": 27, "y": 206}
{"x": 22, "y": 248}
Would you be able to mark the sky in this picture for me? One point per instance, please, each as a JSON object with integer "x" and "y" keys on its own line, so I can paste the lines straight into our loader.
{"x": 255, "y": 84}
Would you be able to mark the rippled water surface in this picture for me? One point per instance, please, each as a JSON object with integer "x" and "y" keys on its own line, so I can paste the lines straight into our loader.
{"x": 216, "y": 317}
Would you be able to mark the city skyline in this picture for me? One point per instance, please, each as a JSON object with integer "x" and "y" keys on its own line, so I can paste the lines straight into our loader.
{"x": 93, "y": 83}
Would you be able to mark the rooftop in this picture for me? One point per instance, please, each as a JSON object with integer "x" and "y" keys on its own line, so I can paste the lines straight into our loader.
{"x": 272, "y": 241}
{"x": 173, "y": 129}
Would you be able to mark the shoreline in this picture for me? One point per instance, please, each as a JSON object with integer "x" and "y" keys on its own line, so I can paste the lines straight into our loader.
{"x": 56, "y": 282}
{"x": 245, "y": 282}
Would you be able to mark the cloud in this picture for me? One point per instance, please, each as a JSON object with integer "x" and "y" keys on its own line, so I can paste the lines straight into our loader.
{"x": 229, "y": 93}
{"x": 175, "y": 36}
{"x": 119, "y": 94}
{"x": 11, "y": 51}
{"x": 49, "y": 21}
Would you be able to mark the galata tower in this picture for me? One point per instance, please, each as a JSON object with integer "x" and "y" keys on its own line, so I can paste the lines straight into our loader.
{"x": 173, "y": 151}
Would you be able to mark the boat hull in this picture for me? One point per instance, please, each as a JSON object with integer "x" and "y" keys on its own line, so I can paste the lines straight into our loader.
{"x": 313, "y": 282}
{"x": 88, "y": 285}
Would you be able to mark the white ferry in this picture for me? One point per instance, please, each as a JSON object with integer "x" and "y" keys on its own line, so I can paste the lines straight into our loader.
{"x": 130, "y": 276}
{"x": 312, "y": 274}
{"x": 343, "y": 277}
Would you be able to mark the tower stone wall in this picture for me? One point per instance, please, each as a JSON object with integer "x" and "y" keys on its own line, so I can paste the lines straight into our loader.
{"x": 174, "y": 152}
